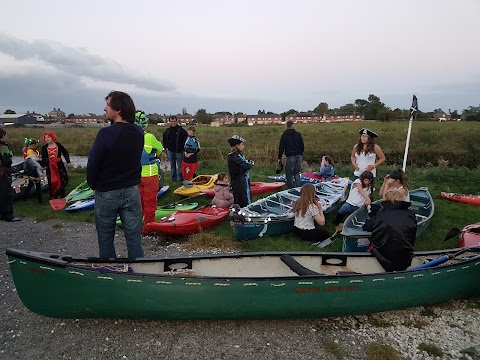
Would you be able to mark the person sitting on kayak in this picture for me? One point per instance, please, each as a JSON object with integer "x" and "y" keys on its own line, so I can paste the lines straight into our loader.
{"x": 32, "y": 168}
{"x": 238, "y": 167}
{"x": 359, "y": 195}
{"x": 396, "y": 180}
{"x": 308, "y": 211}
{"x": 394, "y": 229}
{"x": 223, "y": 193}
{"x": 327, "y": 170}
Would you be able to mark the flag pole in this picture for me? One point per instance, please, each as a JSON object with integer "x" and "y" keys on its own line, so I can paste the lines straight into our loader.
{"x": 413, "y": 114}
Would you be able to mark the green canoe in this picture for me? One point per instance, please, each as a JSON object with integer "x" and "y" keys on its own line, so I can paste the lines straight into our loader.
{"x": 166, "y": 210}
{"x": 270, "y": 285}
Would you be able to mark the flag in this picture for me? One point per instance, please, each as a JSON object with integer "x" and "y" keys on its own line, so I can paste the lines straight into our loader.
{"x": 414, "y": 108}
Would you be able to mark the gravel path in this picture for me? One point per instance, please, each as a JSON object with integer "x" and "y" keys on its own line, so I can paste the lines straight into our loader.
{"x": 452, "y": 327}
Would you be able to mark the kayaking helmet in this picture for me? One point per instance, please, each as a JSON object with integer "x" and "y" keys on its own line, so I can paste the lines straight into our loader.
{"x": 141, "y": 119}
{"x": 29, "y": 141}
{"x": 235, "y": 140}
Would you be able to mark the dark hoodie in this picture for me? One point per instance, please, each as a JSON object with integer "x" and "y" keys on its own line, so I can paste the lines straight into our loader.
{"x": 291, "y": 143}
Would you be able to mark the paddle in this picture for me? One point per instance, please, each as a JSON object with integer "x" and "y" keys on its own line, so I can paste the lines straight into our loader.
{"x": 183, "y": 200}
{"x": 327, "y": 241}
{"x": 440, "y": 260}
{"x": 453, "y": 232}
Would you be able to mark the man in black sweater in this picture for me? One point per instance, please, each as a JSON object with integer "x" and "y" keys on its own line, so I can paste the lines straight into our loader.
{"x": 291, "y": 143}
{"x": 114, "y": 172}
{"x": 174, "y": 142}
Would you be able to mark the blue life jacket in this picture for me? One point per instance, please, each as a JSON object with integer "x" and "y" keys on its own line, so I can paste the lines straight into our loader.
{"x": 191, "y": 145}
{"x": 148, "y": 159}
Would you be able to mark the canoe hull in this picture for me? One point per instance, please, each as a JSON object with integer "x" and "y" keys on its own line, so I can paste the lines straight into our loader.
{"x": 161, "y": 211}
{"x": 249, "y": 231}
{"x": 56, "y": 288}
{"x": 462, "y": 198}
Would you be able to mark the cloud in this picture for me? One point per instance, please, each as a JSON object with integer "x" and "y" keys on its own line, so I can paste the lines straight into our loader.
{"x": 77, "y": 62}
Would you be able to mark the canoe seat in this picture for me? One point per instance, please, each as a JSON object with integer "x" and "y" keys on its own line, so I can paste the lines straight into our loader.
{"x": 347, "y": 273}
{"x": 296, "y": 267}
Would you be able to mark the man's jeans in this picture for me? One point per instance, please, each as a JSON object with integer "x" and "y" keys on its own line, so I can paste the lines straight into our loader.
{"x": 175, "y": 165}
{"x": 125, "y": 202}
{"x": 292, "y": 170}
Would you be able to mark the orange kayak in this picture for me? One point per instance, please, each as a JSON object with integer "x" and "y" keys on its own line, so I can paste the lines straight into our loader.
{"x": 470, "y": 236}
{"x": 466, "y": 199}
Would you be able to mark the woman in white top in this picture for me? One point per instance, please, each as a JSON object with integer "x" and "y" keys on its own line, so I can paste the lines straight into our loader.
{"x": 308, "y": 210}
{"x": 366, "y": 155}
{"x": 359, "y": 195}
{"x": 396, "y": 180}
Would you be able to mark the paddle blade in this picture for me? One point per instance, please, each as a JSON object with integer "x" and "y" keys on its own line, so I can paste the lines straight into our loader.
{"x": 58, "y": 204}
{"x": 453, "y": 232}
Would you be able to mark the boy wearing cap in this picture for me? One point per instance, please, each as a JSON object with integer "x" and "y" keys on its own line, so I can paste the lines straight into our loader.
{"x": 366, "y": 155}
{"x": 238, "y": 167}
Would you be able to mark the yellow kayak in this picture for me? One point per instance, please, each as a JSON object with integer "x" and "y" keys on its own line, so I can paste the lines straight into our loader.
{"x": 199, "y": 183}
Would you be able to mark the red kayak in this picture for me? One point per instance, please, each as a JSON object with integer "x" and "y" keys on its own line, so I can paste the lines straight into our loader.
{"x": 256, "y": 188}
{"x": 466, "y": 199}
{"x": 470, "y": 236}
{"x": 188, "y": 222}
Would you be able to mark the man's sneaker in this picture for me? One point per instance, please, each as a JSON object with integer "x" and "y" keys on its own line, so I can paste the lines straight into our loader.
{"x": 16, "y": 219}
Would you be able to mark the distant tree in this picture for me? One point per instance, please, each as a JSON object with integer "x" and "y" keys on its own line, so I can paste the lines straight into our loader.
{"x": 321, "y": 109}
{"x": 184, "y": 111}
{"x": 202, "y": 117}
{"x": 261, "y": 112}
{"x": 455, "y": 114}
{"x": 289, "y": 112}
{"x": 70, "y": 116}
{"x": 9, "y": 111}
{"x": 361, "y": 105}
{"x": 223, "y": 113}
{"x": 347, "y": 108}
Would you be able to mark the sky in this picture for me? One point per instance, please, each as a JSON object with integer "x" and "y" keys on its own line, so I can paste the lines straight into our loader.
{"x": 238, "y": 56}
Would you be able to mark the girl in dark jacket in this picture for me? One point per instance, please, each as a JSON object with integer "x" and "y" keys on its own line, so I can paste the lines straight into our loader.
{"x": 238, "y": 167}
{"x": 394, "y": 232}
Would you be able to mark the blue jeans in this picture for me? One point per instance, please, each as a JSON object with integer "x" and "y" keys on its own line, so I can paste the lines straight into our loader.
{"x": 345, "y": 209}
{"x": 292, "y": 170}
{"x": 125, "y": 202}
{"x": 175, "y": 165}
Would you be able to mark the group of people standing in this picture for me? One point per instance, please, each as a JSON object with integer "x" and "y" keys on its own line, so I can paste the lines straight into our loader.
{"x": 50, "y": 158}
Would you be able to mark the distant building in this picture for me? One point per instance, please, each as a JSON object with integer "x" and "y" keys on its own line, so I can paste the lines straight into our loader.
{"x": 344, "y": 116}
{"x": 86, "y": 119}
{"x": 441, "y": 115}
{"x": 304, "y": 118}
{"x": 264, "y": 119}
{"x": 57, "y": 115}
{"x": 18, "y": 119}
{"x": 218, "y": 120}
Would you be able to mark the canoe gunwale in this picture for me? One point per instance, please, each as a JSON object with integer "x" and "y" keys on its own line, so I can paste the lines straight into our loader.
{"x": 65, "y": 261}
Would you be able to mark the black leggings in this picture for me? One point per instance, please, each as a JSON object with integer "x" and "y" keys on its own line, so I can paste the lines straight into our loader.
{"x": 313, "y": 235}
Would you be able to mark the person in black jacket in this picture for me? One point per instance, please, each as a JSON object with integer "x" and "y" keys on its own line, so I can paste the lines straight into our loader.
{"x": 6, "y": 197}
{"x": 114, "y": 171}
{"x": 394, "y": 232}
{"x": 291, "y": 143}
{"x": 238, "y": 167}
{"x": 174, "y": 142}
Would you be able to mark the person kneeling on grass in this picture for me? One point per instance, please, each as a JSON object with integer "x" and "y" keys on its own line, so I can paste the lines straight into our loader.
{"x": 308, "y": 211}
{"x": 394, "y": 229}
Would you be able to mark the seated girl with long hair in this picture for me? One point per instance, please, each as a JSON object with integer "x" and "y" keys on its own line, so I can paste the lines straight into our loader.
{"x": 308, "y": 211}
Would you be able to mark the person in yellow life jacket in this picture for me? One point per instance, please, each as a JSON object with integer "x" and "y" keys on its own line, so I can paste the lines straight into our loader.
{"x": 149, "y": 184}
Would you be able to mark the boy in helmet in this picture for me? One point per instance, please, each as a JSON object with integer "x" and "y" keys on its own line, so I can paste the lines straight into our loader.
{"x": 152, "y": 148}
{"x": 238, "y": 167}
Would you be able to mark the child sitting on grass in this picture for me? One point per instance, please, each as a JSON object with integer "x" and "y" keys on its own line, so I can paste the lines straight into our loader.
{"x": 223, "y": 194}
